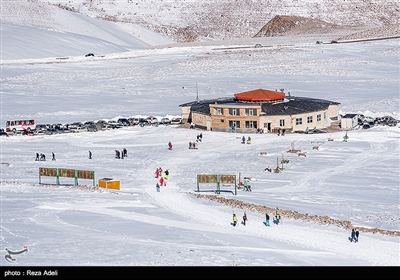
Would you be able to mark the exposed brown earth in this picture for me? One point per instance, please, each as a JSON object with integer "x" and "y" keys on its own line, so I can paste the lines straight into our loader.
{"x": 290, "y": 214}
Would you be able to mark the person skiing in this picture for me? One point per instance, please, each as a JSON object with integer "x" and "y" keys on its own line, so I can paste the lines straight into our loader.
{"x": 234, "y": 218}
{"x": 90, "y": 155}
{"x": 124, "y": 152}
{"x": 54, "y": 156}
{"x": 353, "y": 235}
{"x": 357, "y": 234}
{"x": 244, "y": 218}
{"x": 170, "y": 145}
{"x": 37, "y": 157}
{"x": 266, "y": 219}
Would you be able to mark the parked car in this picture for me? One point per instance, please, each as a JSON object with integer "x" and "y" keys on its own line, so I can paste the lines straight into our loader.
{"x": 176, "y": 121}
{"x": 3, "y": 133}
{"x": 92, "y": 127}
{"x": 165, "y": 121}
{"x": 114, "y": 124}
{"x": 151, "y": 119}
{"x": 134, "y": 121}
{"x": 123, "y": 122}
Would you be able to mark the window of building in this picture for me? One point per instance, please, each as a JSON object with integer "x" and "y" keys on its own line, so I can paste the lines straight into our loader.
{"x": 309, "y": 119}
{"x": 218, "y": 111}
{"x": 281, "y": 122}
{"x": 318, "y": 117}
{"x": 250, "y": 112}
{"x": 251, "y": 124}
{"x": 235, "y": 124}
{"x": 324, "y": 115}
{"x": 299, "y": 121}
{"x": 233, "y": 112}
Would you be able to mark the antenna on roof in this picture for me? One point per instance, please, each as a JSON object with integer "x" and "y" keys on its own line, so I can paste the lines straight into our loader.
{"x": 197, "y": 94}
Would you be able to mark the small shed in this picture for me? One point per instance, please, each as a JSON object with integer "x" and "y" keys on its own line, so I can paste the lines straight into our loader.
{"x": 109, "y": 183}
{"x": 349, "y": 121}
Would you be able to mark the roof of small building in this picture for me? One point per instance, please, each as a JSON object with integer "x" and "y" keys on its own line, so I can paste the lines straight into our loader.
{"x": 260, "y": 95}
{"x": 289, "y": 106}
{"x": 349, "y": 116}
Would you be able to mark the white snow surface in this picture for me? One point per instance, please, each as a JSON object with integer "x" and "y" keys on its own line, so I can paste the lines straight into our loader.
{"x": 356, "y": 181}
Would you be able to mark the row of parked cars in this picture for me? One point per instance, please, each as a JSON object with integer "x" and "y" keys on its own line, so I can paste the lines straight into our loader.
{"x": 93, "y": 126}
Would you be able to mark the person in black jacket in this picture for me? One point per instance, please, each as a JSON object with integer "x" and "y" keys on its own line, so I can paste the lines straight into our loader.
{"x": 357, "y": 234}
{"x": 353, "y": 235}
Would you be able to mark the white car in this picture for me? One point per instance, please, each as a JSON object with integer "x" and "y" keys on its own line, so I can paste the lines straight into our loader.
{"x": 165, "y": 121}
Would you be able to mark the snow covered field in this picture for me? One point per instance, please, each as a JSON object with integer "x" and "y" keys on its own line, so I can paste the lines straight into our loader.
{"x": 355, "y": 181}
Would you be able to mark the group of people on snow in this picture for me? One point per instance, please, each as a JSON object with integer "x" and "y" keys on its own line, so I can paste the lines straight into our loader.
{"x": 248, "y": 140}
{"x": 122, "y": 154}
{"x": 276, "y": 217}
{"x": 246, "y": 186}
{"x": 354, "y": 235}
{"x": 162, "y": 177}
{"x": 42, "y": 157}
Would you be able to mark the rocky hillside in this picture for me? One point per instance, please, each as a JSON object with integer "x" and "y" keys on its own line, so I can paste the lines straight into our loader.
{"x": 296, "y": 25}
{"x": 210, "y": 20}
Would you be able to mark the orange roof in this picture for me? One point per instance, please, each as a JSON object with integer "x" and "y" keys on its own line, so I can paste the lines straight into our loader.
{"x": 260, "y": 95}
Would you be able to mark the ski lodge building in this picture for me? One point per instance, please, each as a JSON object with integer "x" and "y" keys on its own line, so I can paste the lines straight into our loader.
{"x": 268, "y": 110}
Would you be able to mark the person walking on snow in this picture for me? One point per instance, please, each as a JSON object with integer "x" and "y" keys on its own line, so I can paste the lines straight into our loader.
{"x": 267, "y": 219}
{"x": 357, "y": 234}
{"x": 166, "y": 174}
{"x": 158, "y": 187}
{"x": 170, "y": 145}
{"x": 90, "y": 155}
{"x": 353, "y": 235}
{"x": 244, "y": 218}
{"x": 234, "y": 218}
{"x": 162, "y": 182}
{"x": 277, "y": 216}
{"x": 245, "y": 185}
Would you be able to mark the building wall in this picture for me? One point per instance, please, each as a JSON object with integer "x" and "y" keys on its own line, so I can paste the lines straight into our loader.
{"x": 221, "y": 122}
{"x": 333, "y": 112}
{"x": 201, "y": 121}
{"x": 220, "y": 117}
{"x": 185, "y": 113}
